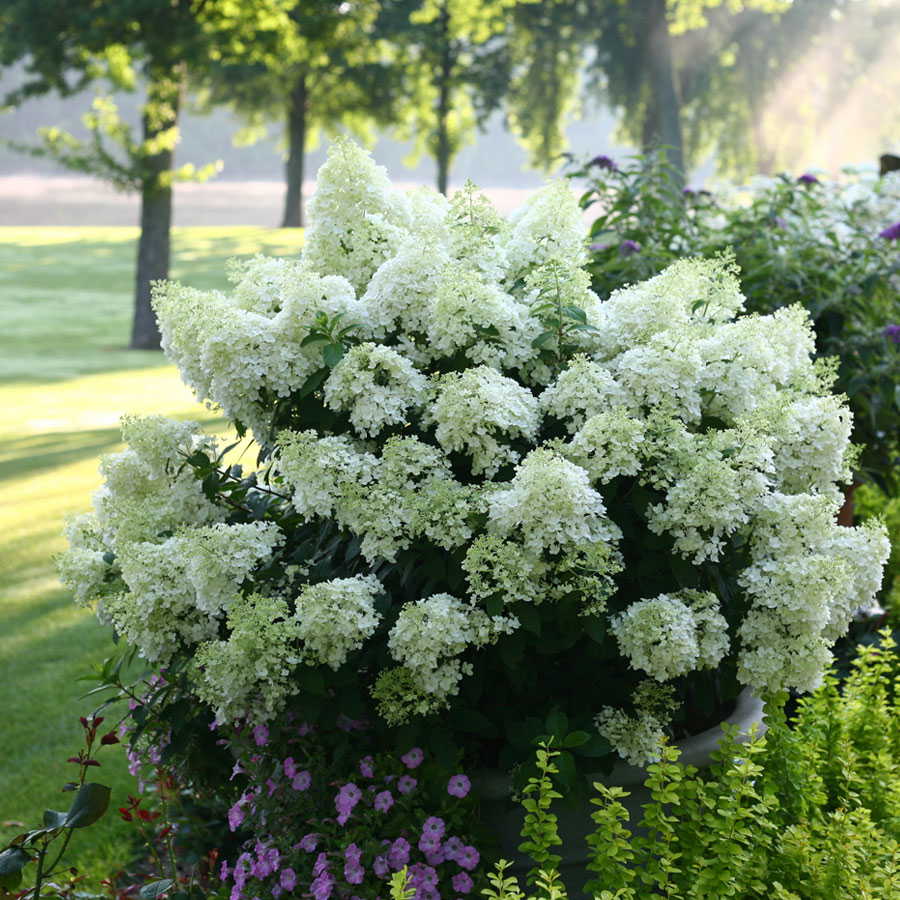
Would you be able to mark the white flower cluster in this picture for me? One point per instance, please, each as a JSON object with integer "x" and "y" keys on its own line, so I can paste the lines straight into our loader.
{"x": 671, "y": 635}
{"x": 335, "y": 617}
{"x": 251, "y": 673}
{"x": 430, "y": 635}
{"x": 431, "y": 378}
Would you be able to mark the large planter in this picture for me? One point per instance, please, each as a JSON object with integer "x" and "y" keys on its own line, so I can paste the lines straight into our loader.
{"x": 504, "y": 818}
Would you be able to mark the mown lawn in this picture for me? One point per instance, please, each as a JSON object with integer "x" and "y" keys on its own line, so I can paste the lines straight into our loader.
{"x": 65, "y": 378}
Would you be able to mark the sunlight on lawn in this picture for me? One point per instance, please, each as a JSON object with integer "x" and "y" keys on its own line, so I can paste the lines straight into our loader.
{"x": 65, "y": 380}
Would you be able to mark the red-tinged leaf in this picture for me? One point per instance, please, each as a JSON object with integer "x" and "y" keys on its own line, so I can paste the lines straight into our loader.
{"x": 74, "y": 759}
{"x": 109, "y": 738}
{"x": 92, "y": 762}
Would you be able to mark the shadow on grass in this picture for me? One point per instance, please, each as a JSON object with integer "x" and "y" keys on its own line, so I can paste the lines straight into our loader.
{"x": 31, "y": 455}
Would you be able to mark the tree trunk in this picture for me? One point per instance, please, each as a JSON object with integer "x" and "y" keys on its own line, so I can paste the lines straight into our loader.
{"x": 160, "y": 115}
{"x": 445, "y": 71}
{"x": 662, "y": 124}
{"x": 296, "y": 133}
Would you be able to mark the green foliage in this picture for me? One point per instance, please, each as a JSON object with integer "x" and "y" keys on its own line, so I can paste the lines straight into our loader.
{"x": 810, "y": 810}
{"x": 539, "y": 831}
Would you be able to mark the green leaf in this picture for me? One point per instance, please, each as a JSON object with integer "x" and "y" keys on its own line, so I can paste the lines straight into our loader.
{"x": 575, "y": 739}
{"x": 332, "y": 354}
{"x": 557, "y": 722}
{"x": 576, "y": 312}
{"x": 54, "y": 819}
{"x": 314, "y": 337}
{"x": 91, "y": 802}
{"x": 595, "y": 628}
{"x": 597, "y": 746}
{"x": 12, "y": 861}
{"x": 544, "y": 338}
{"x": 155, "y": 889}
{"x": 313, "y": 383}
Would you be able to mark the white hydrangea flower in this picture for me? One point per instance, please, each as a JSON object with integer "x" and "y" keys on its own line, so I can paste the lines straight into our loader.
{"x": 320, "y": 471}
{"x": 549, "y": 225}
{"x": 376, "y": 385}
{"x": 638, "y": 739}
{"x": 583, "y": 389}
{"x": 663, "y": 373}
{"x": 476, "y": 409}
{"x": 608, "y": 444}
{"x": 178, "y": 589}
{"x": 335, "y": 617}
{"x": 811, "y": 440}
{"x": 479, "y": 320}
{"x": 86, "y": 573}
{"x": 477, "y": 233}
{"x": 148, "y": 489}
{"x": 398, "y": 296}
{"x": 754, "y": 358}
{"x": 357, "y": 220}
{"x": 689, "y": 295}
{"x": 714, "y": 483}
{"x": 250, "y": 675}
{"x": 550, "y": 505}
{"x": 664, "y": 637}
{"x": 216, "y": 560}
{"x": 497, "y": 567}
{"x": 243, "y": 355}
{"x": 430, "y": 634}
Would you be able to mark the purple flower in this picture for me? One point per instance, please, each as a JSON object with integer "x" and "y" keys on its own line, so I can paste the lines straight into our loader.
{"x": 629, "y": 248}
{"x": 604, "y": 162}
{"x": 383, "y": 801}
{"x": 353, "y": 874}
{"x": 413, "y": 759}
{"x": 380, "y": 866}
{"x": 308, "y": 842}
{"x": 892, "y": 333}
{"x": 236, "y": 814}
{"x": 236, "y": 770}
{"x": 277, "y": 891}
{"x": 261, "y": 735}
{"x": 429, "y": 844}
{"x": 688, "y": 192}
{"x": 352, "y": 854}
{"x": 436, "y": 856}
{"x": 347, "y": 797}
{"x": 304, "y": 729}
{"x": 462, "y": 883}
{"x": 302, "y": 781}
{"x": 406, "y": 784}
{"x": 320, "y": 867}
{"x": 366, "y": 767}
{"x": 398, "y": 855}
{"x": 290, "y": 767}
{"x": 459, "y": 786}
{"x": 224, "y": 871}
{"x": 891, "y": 233}
{"x": 808, "y": 178}
{"x": 271, "y": 786}
{"x": 780, "y": 223}
{"x": 433, "y": 827}
{"x": 598, "y": 247}
{"x": 452, "y": 848}
{"x": 236, "y": 893}
{"x": 321, "y": 886}
{"x": 288, "y": 879}
{"x": 468, "y": 858}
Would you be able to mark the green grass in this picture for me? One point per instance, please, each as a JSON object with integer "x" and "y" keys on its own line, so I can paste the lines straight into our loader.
{"x": 65, "y": 378}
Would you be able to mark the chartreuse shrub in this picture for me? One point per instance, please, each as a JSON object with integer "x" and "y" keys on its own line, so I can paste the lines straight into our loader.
{"x": 487, "y": 507}
{"x": 809, "y": 811}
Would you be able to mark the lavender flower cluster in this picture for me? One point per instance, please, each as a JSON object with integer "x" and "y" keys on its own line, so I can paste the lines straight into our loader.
{"x": 329, "y": 835}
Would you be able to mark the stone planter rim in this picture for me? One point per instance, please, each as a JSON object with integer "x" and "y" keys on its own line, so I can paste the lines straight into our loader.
{"x": 696, "y": 750}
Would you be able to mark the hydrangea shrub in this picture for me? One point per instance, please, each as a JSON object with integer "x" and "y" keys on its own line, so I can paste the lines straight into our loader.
{"x": 488, "y": 506}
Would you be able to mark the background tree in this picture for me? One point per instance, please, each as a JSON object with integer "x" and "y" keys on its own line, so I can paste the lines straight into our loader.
{"x": 454, "y": 70}
{"x": 545, "y": 46}
{"x": 331, "y": 70}
{"x": 637, "y": 67}
{"x": 132, "y": 43}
